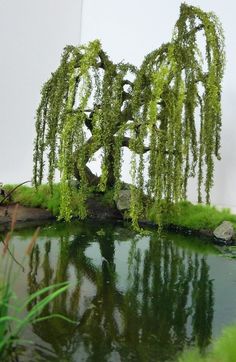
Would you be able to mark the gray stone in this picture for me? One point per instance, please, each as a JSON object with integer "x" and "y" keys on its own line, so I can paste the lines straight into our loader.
{"x": 224, "y": 231}
{"x": 74, "y": 184}
{"x": 123, "y": 200}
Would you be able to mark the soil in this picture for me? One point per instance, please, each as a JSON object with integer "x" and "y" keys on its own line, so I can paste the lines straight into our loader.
{"x": 32, "y": 216}
{"x": 25, "y": 216}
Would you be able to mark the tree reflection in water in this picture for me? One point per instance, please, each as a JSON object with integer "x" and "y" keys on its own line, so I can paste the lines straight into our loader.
{"x": 166, "y": 305}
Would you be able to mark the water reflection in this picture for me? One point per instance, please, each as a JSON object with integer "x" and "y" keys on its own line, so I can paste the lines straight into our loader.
{"x": 166, "y": 304}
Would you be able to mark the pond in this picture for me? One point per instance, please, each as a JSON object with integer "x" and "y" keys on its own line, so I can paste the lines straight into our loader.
{"x": 135, "y": 298}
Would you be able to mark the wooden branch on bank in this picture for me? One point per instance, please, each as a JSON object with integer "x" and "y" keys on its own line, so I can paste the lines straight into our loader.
{"x": 11, "y": 192}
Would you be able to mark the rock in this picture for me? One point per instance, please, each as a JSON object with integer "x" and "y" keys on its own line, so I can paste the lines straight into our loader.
{"x": 224, "y": 231}
{"x": 98, "y": 210}
{"x": 123, "y": 200}
{"x": 74, "y": 184}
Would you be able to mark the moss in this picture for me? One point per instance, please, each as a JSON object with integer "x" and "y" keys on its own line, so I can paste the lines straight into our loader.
{"x": 106, "y": 198}
{"x": 43, "y": 197}
{"x": 194, "y": 217}
{"x": 223, "y": 349}
{"x": 109, "y": 197}
{"x": 183, "y": 214}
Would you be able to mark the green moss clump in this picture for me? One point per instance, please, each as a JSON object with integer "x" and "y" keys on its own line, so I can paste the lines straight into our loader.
{"x": 224, "y": 349}
{"x": 107, "y": 199}
{"x": 194, "y": 217}
{"x": 184, "y": 214}
{"x": 44, "y": 197}
{"x": 41, "y": 197}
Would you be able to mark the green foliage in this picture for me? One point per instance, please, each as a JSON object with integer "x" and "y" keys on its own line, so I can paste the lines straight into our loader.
{"x": 223, "y": 350}
{"x": 107, "y": 198}
{"x": 182, "y": 214}
{"x": 90, "y": 104}
{"x": 12, "y": 323}
{"x": 194, "y": 217}
{"x": 5, "y": 294}
{"x": 44, "y": 197}
{"x": 40, "y": 197}
{"x": 13, "y": 319}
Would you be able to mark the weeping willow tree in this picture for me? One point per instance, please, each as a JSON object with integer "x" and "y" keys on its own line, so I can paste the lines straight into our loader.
{"x": 167, "y": 112}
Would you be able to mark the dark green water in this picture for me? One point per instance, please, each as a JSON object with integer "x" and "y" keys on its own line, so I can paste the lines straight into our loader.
{"x": 135, "y": 298}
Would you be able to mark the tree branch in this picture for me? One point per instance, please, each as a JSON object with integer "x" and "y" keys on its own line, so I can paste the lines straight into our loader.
{"x": 126, "y": 143}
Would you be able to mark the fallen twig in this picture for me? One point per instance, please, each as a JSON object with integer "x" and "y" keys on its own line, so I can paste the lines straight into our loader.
{"x": 9, "y": 193}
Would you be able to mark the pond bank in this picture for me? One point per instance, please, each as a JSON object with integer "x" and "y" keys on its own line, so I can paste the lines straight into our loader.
{"x": 36, "y": 216}
{"x": 184, "y": 217}
{"x": 25, "y": 216}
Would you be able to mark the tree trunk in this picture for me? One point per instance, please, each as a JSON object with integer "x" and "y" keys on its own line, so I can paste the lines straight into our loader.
{"x": 93, "y": 180}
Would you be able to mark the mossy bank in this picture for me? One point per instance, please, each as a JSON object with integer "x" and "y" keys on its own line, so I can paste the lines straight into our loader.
{"x": 185, "y": 217}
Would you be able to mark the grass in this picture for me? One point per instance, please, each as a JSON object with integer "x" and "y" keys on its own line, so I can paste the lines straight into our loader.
{"x": 223, "y": 349}
{"x": 185, "y": 214}
{"x": 42, "y": 197}
{"x": 13, "y": 319}
{"x": 12, "y": 323}
{"x": 194, "y": 217}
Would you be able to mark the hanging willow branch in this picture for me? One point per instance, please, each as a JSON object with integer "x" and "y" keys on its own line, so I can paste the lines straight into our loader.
{"x": 92, "y": 104}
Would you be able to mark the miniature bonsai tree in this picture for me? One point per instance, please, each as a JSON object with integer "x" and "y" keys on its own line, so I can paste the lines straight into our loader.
{"x": 167, "y": 112}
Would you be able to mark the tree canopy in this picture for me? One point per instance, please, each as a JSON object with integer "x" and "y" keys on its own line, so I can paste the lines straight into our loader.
{"x": 167, "y": 112}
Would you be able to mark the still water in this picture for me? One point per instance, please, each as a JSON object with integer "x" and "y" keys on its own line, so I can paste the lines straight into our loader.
{"x": 135, "y": 298}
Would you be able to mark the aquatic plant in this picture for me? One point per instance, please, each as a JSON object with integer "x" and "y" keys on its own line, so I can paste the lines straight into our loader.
{"x": 13, "y": 319}
{"x": 90, "y": 104}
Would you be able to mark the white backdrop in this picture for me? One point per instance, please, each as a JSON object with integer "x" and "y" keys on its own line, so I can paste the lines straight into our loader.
{"x": 32, "y": 36}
